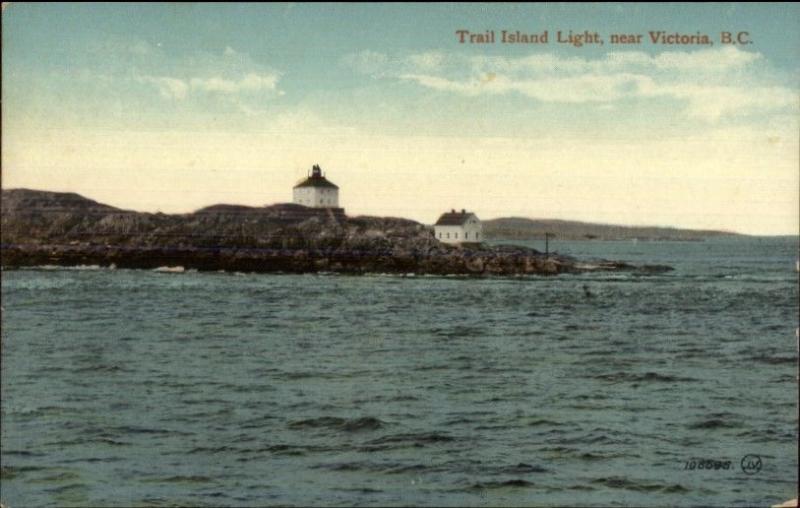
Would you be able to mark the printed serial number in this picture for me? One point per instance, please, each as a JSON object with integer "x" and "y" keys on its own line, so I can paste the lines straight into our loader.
{"x": 707, "y": 464}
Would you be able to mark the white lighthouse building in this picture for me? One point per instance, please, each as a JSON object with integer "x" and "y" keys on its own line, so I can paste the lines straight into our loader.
{"x": 316, "y": 191}
{"x": 458, "y": 227}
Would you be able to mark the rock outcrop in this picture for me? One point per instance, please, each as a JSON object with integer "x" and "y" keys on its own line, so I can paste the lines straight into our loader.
{"x": 49, "y": 228}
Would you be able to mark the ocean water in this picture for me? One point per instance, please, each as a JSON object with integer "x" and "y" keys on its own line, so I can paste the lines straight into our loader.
{"x": 125, "y": 387}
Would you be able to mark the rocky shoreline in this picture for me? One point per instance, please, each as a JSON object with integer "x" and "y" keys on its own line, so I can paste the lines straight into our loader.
{"x": 45, "y": 228}
{"x": 483, "y": 261}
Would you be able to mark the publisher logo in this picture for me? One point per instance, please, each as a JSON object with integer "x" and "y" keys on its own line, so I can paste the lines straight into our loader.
{"x": 751, "y": 464}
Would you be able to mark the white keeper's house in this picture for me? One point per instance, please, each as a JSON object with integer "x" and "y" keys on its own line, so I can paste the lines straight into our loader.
{"x": 316, "y": 191}
{"x": 458, "y": 227}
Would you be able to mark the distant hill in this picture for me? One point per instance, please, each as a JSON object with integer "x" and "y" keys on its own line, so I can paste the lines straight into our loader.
{"x": 518, "y": 228}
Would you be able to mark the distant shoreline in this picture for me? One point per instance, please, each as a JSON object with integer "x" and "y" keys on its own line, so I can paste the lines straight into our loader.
{"x": 66, "y": 229}
{"x": 519, "y": 228}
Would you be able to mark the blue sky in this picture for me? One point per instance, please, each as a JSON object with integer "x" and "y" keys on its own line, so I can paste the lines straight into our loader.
{"x": 251, "y": 91}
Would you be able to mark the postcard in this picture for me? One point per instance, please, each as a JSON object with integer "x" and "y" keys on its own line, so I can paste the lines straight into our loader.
{"x": 400, "y": 254}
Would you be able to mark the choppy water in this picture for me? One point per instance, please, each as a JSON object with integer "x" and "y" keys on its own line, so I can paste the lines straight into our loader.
{"x": 129, "y": 387}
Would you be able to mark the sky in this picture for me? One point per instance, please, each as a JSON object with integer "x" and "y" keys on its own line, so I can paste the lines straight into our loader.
{"x": 171, "y": 107}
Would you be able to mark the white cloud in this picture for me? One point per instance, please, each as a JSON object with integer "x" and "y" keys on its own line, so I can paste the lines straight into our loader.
{"x": 578, "y": 89}
{"x": 711, "y": 103}
{"x": 249, "y": 83}
{"x": 228, "y": 73}
{"x": 168, "y": 88}
{"x": 429, "y": 61}
{"x": 711, "y": 83}
{"x": 728, "y": 58}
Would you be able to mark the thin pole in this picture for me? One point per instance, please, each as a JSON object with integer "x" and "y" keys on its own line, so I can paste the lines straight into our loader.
{"x": 547, "y": 245}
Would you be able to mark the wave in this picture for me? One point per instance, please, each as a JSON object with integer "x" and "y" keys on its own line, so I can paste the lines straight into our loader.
{"x": 522, "y": 468}
{"x": 775, "y": 360}
{"x": 69, "y": 489}
{"x": 618, "y": 482}
{"x": 131, "y": 429}
{"x": 311, "y": 375}
{"x": 591, "y": 457}
{"x": 344, "y": 466}
{"x": 183, "y": 479}
{"x": 766, "y": 435}
{"x": 340, "y": 424}
{"x": 619, "y": 377}
{"x": 90, "y": 440}
{"x": 288, "y": 450}
{"x": 11, "y": 472}
{"x": 714, "y": 423}
{"x": 169, "y": 269}
{"x": 410, "y": 440}
{"x": 23, "y": 453}
{"x": 373, "y": 467}
{"x": 402, "y": 398}
{"x": 359, "y": 490}
{"x": 541, "y": 421}
{"x": 101, "y": 369}
{"x": 409, "y": 468}
{"x": 73, "y": 268}
{"x": 257, "y": 422}
{"x": 213, "y": 450}
{"x": 515, "y": 483}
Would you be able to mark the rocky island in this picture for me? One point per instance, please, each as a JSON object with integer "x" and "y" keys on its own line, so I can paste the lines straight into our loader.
{"x": 66, "y": 229}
